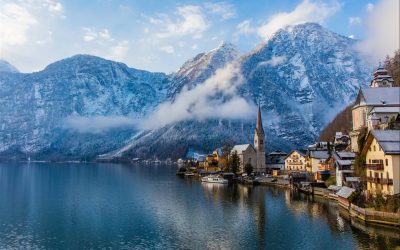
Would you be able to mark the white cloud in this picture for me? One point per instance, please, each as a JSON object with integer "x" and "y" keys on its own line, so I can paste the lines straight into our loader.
{"x": 307, "y": 11}
{"x": 195, "y": 46}
{"x": 353, "y": 20}
{"x": 189, "y": 20}
{"x": 351, "y": 36}
{"x": 16, "y": 21}
{"x": 119, "y": 51}
{"x": 225, "y": 10}
{"x": 92, "y": 35}
{"x": 382, "y": 34}
{"x": 54, "y": 6}
{"x": 245, "y": 27}
{"x": 167, "y": 49}
{"x": 214, "y": 98}
{"x": 274, "y": 61}
{"x": 97, "y": 124}
{"x": 370, "y": 7}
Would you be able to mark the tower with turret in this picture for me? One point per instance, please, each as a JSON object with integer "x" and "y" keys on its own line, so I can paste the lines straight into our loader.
{"x": 259, "y": 137}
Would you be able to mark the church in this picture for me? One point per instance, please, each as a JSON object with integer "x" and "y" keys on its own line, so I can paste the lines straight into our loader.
{"x": 255, "y": 155}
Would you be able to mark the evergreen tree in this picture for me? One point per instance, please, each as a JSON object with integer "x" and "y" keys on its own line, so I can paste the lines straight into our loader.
{"x": 248, "y": 168}
{"x": 234, "y": 162}
{"x": 392, "y": 64}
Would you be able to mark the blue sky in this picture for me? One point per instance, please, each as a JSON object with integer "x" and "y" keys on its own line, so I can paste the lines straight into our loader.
{"x": 161, "y": 35}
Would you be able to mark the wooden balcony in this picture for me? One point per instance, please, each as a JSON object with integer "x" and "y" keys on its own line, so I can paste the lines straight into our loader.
{"x": 380, "y": 180}
{"x": 375, "y": 166}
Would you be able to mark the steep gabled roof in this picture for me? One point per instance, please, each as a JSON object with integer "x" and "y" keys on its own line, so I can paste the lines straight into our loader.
{"x": 240, "y": 148}
{"x": 379, "y": 96}
{"x": 318, "y": 154}
{"x": 389, "y": 140}
{"x": 299, "y": 152}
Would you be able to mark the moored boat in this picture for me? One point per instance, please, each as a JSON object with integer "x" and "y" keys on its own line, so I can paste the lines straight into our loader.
{"x": 214, "y": 179}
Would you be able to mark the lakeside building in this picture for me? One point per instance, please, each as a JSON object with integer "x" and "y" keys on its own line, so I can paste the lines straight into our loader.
{"x": 253, "y": 155}
{"x": 382, "y": 150}
{"x": 316, "y": 163}
{"x": 247, "y": 154}
{"x": 275, "y": 161}
{"x": 259, "y": 145}
{"x": 344, "y": 167}
{"x": 296, "y": 161}
{"x": 374, "y": 105}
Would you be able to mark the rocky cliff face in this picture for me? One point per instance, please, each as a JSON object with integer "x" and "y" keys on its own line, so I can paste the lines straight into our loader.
{"x": 303, "y": 76}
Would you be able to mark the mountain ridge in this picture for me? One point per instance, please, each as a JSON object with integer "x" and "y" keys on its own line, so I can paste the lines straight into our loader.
{"x": 302, "y": 76}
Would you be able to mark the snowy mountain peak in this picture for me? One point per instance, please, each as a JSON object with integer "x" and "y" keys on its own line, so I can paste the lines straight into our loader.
{"x": 202, "y": 66}
{"x": 7, "y": 67}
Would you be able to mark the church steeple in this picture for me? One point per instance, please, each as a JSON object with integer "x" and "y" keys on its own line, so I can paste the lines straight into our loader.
{"x": 259, "y": 126}
{"x": 259, "y": 142}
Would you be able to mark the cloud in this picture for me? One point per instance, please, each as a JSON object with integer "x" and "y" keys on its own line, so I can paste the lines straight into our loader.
{"x": 370, "y": 7}
{"x": 167, "y": 49}
{"x": 119, "y": 51}
{"x": 274, "y": 61}
{"x": 214, "y": 98}
{"x": 225, "y": 10}
{"x": 188, "y": 20}
{"x": 353, "y": 20}
{"x": 92, "y": 35}
{"x": 16, "y": 21}
{"x": 245, "y": 27}
{"x": 54, "y": 7}
{"x": 307, "y": 11}
{"x": 382, "y": 34}
{"x": 351, "y": 36}
{"x": 97, "y": 124}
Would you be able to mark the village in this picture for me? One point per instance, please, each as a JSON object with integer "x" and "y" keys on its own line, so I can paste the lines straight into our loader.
{"x": 359, "y": 170}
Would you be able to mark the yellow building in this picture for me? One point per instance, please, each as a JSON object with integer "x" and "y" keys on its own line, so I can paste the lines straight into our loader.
{"x": 295, "y": 161}
{"x": 382, "y": 151}
{"x": 211, "y": 163}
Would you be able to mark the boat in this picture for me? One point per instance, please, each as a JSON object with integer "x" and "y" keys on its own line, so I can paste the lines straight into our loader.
{"x": 214, "y": 179}
{"x": 189, "y": 174}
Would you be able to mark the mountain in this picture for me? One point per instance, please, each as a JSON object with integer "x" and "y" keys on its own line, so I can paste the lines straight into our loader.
{"x": 201, "y": 67}
{"x": 7, "y": 67}
{"x": 35, "y": 106}
{"x": 302, "y": 76}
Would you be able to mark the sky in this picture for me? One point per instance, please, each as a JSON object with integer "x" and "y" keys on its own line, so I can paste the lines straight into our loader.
{"x": 161, "y": 35}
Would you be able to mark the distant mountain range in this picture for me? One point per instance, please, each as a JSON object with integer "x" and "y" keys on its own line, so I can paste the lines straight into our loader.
{"x": 302, "y": 76}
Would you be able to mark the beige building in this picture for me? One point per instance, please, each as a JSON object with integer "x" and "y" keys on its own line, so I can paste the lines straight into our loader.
{"x": 373, "y": 105}
{"x": 295, "y": 161}
{"x": 247, "y": 154}
{"x": 382, "y": 150}
{"x": 367, "y": 100}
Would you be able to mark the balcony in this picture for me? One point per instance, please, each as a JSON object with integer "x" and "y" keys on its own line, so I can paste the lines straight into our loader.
{"x": 380, "y": 180}
{"x": 375, "y": 166}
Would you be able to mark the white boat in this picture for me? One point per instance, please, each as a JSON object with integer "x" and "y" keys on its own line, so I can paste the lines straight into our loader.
{"x": 214, "y": 179}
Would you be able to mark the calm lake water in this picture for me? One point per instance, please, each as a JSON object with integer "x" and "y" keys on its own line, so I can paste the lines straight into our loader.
{"x": 80, "y": 206}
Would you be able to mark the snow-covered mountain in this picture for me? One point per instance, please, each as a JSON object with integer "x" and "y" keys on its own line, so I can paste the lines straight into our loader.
{"x": 201, "y": 67}
{"x": 35, "y": 106}
{"x": 303, "y": 76}
{"x": 7, "y": 67}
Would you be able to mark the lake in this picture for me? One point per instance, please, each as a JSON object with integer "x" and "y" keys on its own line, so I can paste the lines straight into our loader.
{"x": 81, "y": 206}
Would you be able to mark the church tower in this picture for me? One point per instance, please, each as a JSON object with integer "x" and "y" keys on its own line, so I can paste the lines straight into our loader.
{"x": 259, "y": 143}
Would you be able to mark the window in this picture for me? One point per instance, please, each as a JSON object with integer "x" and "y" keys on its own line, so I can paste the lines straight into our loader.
{"x": 374, "y": 148}
{"x": 369, "y": 161}
{"x": 386, "y": 162}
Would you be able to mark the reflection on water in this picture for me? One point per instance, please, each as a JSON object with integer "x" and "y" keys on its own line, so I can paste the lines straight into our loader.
{"x": 122, "y": 206}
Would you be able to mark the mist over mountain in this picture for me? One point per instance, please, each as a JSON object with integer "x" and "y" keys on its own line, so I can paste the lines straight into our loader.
{"x": 85, "y": 106}
{"x": 7, "y": 67}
